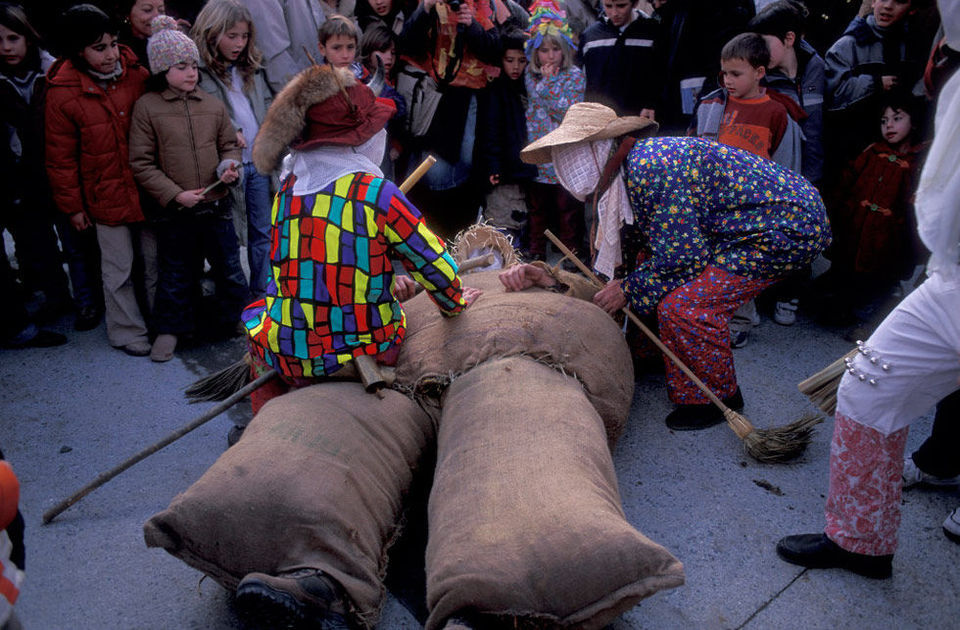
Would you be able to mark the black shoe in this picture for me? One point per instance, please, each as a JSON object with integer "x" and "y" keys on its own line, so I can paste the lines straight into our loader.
{"x": 696, "y": 417}
{"x": 302, "y": 599}
{"x": 43, "y": 339}
{"x": 88, "y": 318}
{"x": 816, "y": 551}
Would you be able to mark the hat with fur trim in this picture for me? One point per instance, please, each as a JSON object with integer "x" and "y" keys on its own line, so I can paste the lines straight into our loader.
{"x": 168, "y": 45}
{"x": 585, "y": 122}
{"x": 320, "y": 106}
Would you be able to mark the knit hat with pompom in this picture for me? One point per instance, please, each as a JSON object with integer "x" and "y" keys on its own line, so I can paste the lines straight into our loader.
{"x": 168, "y": 46}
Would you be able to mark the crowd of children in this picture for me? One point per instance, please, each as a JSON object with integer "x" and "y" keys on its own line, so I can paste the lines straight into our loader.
{"x": 129, "y": 156}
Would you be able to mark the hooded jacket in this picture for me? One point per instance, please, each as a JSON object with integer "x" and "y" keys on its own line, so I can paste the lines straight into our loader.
{"x": 807, "y": 90}
{"x": 86, "y": 141}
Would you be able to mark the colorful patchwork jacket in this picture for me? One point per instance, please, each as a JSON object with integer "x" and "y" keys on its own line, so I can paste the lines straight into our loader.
{"x": 329, "y": 295}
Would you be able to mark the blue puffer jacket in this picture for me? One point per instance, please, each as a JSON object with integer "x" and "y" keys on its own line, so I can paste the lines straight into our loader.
{"x": 807, "y": 90}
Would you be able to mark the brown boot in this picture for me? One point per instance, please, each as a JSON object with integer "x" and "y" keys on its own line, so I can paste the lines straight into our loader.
{"x": 307, "y": 598}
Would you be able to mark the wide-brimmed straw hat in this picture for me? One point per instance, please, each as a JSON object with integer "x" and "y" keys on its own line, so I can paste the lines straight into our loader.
{"x": 584, "y": 122}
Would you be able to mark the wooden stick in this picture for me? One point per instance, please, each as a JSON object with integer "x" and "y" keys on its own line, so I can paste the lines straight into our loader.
{"x": 215, "y": 411}
{"x": 417, "y": 174}
{"x": 656, "y": 340}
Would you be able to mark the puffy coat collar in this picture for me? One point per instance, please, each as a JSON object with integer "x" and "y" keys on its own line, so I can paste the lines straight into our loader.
{"x": 64, "y": 73}
{"x": 170, "y": 94}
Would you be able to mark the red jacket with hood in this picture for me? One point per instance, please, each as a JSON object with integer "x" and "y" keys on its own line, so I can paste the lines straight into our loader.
{"x": 87, "y": 128}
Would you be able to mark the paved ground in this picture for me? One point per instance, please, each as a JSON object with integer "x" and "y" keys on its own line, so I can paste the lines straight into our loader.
{"x": 71, "y": 413}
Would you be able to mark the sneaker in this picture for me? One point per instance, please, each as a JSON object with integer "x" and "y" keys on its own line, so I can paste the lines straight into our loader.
{"x": 307, "y": 598}
{"x": 739, "y": 338}
{"x": 951, "y": 526}
{"x": 163, "y": 347}
{"x": 457, "y": 623}
{"x": 913, "y": 476}
{"x": 785, "y": 313}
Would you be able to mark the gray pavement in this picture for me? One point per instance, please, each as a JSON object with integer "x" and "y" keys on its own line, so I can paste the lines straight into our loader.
{"x": 71, "y": 413}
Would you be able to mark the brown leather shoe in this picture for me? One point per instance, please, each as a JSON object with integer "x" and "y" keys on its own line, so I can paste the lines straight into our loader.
{"x": 307, "y": 598}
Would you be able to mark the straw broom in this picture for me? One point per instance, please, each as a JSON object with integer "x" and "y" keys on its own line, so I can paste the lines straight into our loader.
{"x": 821, "y": 388}
{"x": 766, "y": 445}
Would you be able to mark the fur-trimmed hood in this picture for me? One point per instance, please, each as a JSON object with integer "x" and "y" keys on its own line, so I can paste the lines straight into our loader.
{"x": 286, "y": 117}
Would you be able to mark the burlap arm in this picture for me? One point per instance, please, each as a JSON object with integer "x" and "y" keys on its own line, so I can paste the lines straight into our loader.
{"x": 570, "y": 284}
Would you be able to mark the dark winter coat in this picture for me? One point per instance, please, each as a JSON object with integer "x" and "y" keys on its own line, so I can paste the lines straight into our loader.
{"x": 621, "y": 68}
{"x": 86, "y": 141}
{"x": 807, "y": 90}
{"x": 502, "y": 119}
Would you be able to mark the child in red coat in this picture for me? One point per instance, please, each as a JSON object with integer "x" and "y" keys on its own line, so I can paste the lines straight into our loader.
{"x": 875, "y": 236}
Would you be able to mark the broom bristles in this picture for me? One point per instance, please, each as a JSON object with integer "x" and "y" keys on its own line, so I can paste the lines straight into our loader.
{"x": 220, "y": 385}
{"x": 821, "y": 388}
{"x": 781, "y": 444}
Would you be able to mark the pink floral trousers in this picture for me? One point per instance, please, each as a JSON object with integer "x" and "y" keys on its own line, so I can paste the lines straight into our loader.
{"x": 863, "y": 504}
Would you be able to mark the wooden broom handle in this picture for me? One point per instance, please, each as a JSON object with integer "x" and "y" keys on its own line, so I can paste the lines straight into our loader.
{"x": 415, "y": 176}
{"x": 643, "y": 327}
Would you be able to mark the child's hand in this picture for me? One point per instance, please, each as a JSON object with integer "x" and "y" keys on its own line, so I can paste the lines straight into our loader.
{"x": 230, "y": 175}
{"x": 495, "y": 179}
{"x": 470, "y": 294}
{"x": 648, "y": 113}
{"x": 241, "y": 141}
{"x": 79, "y": 221}
{"x": 189, "y": 198}
{"x": 549, "y": 70}
{"x": 404, "y": 288}
{"x": 888, "y": 82}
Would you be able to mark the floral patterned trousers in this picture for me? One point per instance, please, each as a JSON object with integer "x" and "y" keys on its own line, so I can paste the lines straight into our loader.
{"x": 695, "y": 324}
{"x": 863, "y": 505}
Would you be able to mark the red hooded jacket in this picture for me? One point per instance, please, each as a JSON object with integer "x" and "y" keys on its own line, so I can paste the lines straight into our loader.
{"x": 86, "y": 141}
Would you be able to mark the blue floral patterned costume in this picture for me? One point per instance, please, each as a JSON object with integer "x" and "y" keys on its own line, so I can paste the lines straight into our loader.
{"x": 719, "y": 225}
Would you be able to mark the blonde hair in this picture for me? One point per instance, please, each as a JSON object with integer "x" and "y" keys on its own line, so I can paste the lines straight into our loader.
{"x": 550, "y": 38}
{"x": 216, "y": 18}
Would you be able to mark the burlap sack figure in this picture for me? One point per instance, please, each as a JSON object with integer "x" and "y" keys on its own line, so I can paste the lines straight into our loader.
{"x": 572, "y": 335}
{"x": 525, "y": 514}
{"x": 317, "y": 481}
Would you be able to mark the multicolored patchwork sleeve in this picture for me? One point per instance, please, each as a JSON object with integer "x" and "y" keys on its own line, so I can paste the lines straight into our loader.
{"x": 678, "y": 251}
{"x": 422, "y": 252}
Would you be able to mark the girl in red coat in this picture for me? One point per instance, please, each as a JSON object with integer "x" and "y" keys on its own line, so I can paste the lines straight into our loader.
{"x": 87, "y": 119}
{"x": 875, "y": 242}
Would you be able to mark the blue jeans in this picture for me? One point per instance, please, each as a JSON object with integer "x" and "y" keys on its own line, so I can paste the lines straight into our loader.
{"x": 183, "y": 241}
{"x": 444, "y": 175}
{"x": 256, "y": 191}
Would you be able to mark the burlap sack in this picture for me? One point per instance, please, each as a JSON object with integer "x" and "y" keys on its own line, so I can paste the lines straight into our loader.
{"x": 316, "y": 481}
{"x": 573, "y": 335}
{"x": 525, "y": 515}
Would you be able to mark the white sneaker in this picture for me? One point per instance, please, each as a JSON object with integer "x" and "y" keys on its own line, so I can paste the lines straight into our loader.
{"x": 739, "y": 338}
{"x": 913, "y": 476}
{"x": 785, "y": 313}
{"x": 951, "y": 526}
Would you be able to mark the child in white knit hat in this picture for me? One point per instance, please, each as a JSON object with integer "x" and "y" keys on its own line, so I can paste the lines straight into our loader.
{"x": 184, "y": 151}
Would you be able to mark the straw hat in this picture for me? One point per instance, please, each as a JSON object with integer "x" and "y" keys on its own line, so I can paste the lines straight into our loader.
{"x": 584, "y": 122}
